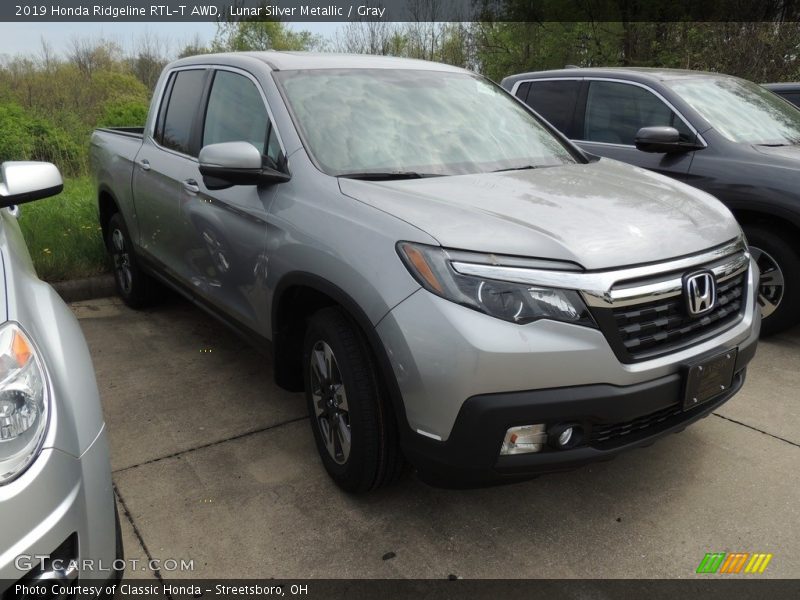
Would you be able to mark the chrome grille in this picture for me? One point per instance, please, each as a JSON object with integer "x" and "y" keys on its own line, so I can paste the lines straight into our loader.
{"x": 664, "y": 324}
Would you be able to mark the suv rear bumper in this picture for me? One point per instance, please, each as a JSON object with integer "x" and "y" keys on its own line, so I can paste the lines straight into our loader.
{"x": 470, "y": 456}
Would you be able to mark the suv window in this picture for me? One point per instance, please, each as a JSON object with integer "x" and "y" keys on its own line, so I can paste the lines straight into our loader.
{"x": 793, "y": 97}
{"x": 184, "y": 102}
{"x": 247, "y": 122}
{"x": 555, "y": 101}
{"x": 616, "y": 111}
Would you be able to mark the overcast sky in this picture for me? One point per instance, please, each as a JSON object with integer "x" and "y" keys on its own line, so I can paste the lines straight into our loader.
{"x": 25, "y": 38}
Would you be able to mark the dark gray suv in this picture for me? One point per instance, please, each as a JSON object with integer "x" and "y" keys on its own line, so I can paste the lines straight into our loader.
{"x": 727, "y": 136}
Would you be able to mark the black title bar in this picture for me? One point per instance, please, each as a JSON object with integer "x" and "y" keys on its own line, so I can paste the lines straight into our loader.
{"x": 400, "y": 10}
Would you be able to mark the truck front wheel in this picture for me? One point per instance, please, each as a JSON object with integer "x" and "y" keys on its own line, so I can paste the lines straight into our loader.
{"x": 351, "y": 420}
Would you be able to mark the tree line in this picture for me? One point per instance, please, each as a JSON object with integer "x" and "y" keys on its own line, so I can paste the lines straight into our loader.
{"x": 50, "y": 101}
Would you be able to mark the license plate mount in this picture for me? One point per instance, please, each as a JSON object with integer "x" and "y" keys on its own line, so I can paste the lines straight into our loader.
{"x": 707, "y": 379}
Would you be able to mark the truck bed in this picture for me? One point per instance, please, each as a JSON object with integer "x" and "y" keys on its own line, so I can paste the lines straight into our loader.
{"x": 112, "y": 154}
{"x": 134, "y": 132}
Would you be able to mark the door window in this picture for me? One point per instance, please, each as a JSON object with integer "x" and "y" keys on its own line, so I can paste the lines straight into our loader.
{"x": 616, "y": 111}
{"x": 184, "y": 102}
{"x": 236, "y": 113}
{"x": 793, "y": 97}
{"x": 555, "y": 101}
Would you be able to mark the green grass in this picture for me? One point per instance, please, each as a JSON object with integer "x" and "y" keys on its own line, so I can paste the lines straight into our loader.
{"x": 63, "y": 233}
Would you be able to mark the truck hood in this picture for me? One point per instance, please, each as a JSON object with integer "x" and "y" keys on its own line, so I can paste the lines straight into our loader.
{"x": 599, "y": 215}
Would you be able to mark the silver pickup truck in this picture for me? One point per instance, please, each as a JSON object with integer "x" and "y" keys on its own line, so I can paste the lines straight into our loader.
{"x": 450, "y": 280}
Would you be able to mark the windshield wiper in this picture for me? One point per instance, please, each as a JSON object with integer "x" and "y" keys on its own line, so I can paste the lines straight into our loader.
{"x": 522, "y": 168}
{"x": 788, "y": 142}
{"x": 386, "y": 175}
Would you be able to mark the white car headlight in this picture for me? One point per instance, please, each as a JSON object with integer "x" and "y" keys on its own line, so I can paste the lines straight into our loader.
{"x": 24, "y": 402}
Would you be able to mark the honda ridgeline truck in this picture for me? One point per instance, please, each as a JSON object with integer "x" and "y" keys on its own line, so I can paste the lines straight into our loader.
{"x": 450, "y": 280}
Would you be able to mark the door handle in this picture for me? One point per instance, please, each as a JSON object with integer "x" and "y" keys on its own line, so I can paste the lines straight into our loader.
{"x": 144, "y": 164}
{"x": 190, "y": 185}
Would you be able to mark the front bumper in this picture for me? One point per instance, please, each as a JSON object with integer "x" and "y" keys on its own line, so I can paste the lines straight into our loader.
{"x": 61, "y": 501}
{"x": 613, "y": 419}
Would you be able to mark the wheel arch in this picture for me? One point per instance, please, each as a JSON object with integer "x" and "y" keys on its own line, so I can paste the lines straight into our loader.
{"x": 780, "y": 220}
{"x": 107, "y": 206}
{"x": 297, "y": 296}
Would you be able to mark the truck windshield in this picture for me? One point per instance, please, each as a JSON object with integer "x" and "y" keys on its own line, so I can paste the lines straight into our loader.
{"x": 382, "y": 121}
{"x": 741, "y": 111}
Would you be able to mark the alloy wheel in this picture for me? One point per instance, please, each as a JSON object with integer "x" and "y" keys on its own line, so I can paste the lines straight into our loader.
{"x": 770, "y": 284}
{"x": 330, "y": 402}
{"x": 122, "y": 261}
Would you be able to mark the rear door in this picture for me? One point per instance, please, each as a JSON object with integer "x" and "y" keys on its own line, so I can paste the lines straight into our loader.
{"x": 557, "y": 100}
{"x": 613, "y": 113}
{"x": 167, "y": 159}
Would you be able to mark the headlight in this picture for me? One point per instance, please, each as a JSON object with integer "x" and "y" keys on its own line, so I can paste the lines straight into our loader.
{"x": 24, "y": 402}
{"x": 513, "y": 302}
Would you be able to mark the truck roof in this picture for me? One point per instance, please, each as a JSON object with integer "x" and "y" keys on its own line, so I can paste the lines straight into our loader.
{"x": 291, "y": 61}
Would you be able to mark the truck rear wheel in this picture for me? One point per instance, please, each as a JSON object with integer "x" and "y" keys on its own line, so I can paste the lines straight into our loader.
{"x": 351, "y": 419}
{"x": 136, "y": 288}
{"x": 779, "y": 283}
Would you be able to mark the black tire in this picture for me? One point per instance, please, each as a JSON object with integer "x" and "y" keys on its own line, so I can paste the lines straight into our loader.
{"x": 136, "y": 288}
{"x": 772, "y": 250}
{"x": 373, "y": 456}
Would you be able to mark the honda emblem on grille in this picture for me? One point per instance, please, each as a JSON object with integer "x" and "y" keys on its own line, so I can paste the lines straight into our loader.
{"x": 700, "y": 291}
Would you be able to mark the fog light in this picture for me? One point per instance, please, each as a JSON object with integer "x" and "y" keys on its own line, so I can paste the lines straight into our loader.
{"x": 524, "y": 439}
{"x": 565, "y": 436}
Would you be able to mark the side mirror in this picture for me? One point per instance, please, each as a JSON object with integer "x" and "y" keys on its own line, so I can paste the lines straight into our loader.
{"x": 22, "y": 182}
{"x": 661, "y": 140}
{"x": 235, "y": 163}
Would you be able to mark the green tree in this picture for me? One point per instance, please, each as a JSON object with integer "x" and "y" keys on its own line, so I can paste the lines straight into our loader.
{"x": 124, "y": 113}
{"x": 239, "y": 36}
{"x": 29, "y": 137}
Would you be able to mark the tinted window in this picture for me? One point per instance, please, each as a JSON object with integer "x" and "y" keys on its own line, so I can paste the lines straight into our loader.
{"x": 555, "y": 101}
{"x": 184, "y": 102}
{"x": 236, "y": 112}
{"x": 793, "y": 97}
{"x": 616, "y": 111}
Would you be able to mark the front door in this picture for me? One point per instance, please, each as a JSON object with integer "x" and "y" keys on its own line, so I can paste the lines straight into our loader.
{"x": 615, "y": 111}
{"x": 224, "y": 231}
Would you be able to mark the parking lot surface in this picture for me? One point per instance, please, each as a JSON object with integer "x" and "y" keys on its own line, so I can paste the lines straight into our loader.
{"x": 214, "y": 463}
